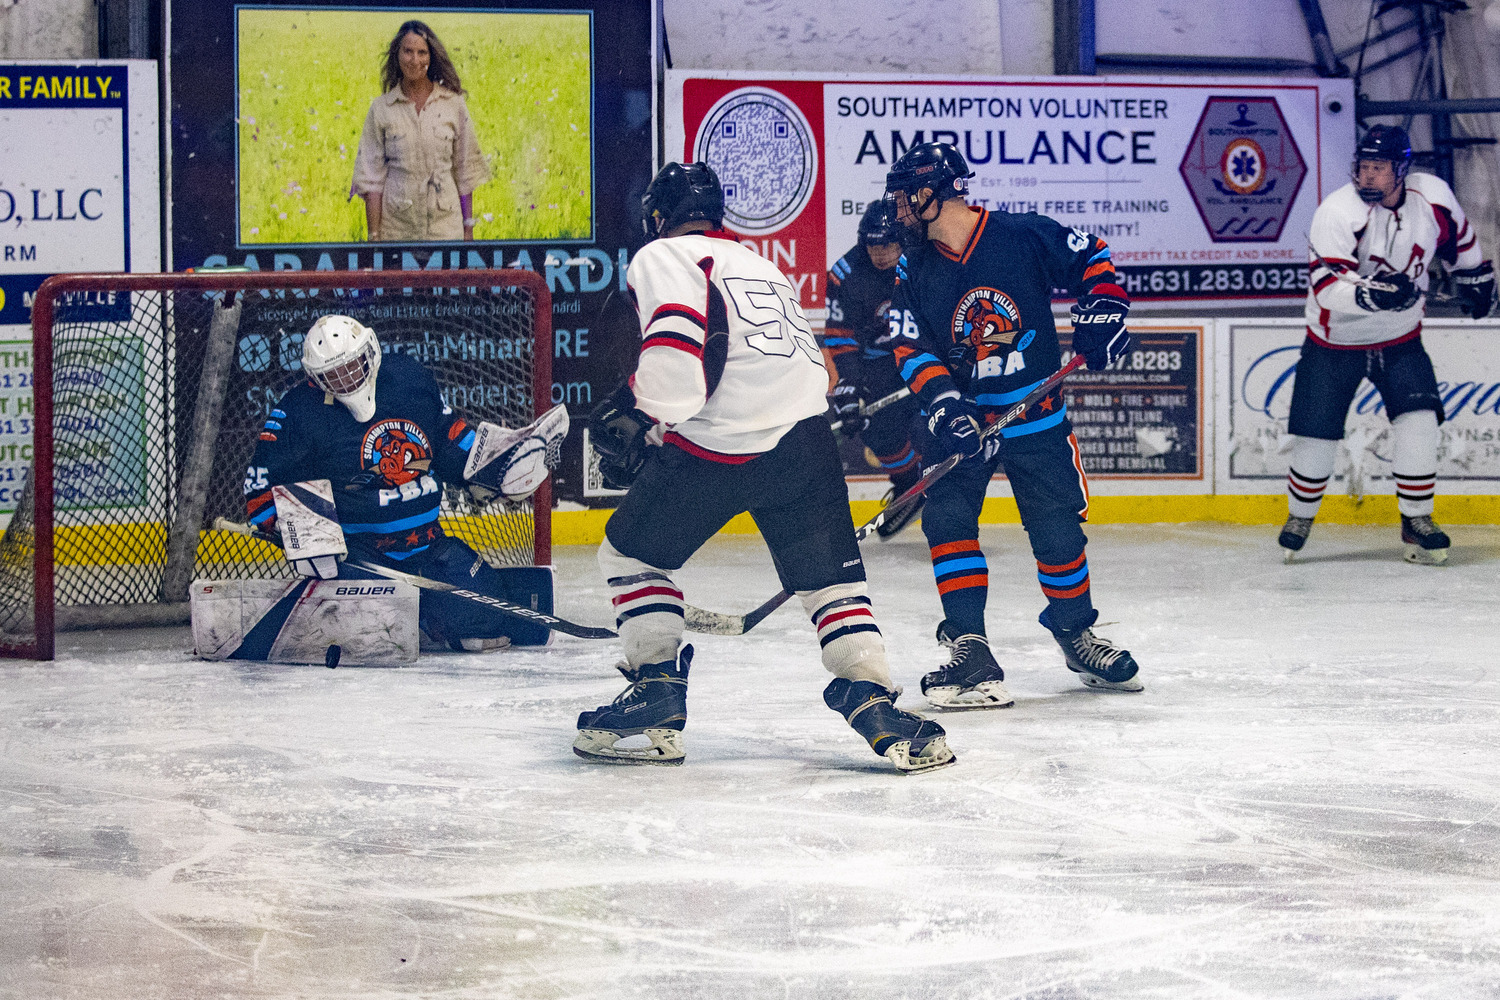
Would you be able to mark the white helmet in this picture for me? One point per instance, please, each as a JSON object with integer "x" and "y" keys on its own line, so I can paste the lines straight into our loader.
{"x": 343, "y": 356}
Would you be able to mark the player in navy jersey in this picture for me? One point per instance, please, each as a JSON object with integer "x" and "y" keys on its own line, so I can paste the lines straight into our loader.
{"x": 376, "y": 427}
{"x": 972, "y": 318}
{"x": 858, "y": 339}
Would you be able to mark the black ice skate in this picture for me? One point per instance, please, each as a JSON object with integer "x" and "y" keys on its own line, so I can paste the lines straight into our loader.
{"x": 892, "y": 527}
{"x": 1099, "y": 663}
{"x": 912, "y": 743}
{"x": 1426, "y": 543}
{"x": 1293, "y": 536}
{"x": 970, "y": 679}
{"x": 653, "y": 706}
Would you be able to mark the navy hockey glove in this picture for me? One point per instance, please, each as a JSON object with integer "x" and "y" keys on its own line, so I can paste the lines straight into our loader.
{"x": 1099, "y": 330}
{"x": 847, "y": 400}
{"x": 955, "y": 422}
{"x": 617, "y": 430}
{"x": 1475, "y": 288}
{"x": 1397, "y": 292}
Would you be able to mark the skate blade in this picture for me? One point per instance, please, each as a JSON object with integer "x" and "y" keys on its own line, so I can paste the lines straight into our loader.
{"x": 599, "y": 745}
{"x": 1287, "y": 555}
{"x": 1419, "y": 556}
{"x": 1096, "y": 683}
{"x": 986, "y": 694}
{"x": 934, "y": 756}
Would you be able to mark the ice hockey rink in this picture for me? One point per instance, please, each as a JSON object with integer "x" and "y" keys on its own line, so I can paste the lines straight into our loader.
{"x": 1303, "y": 803}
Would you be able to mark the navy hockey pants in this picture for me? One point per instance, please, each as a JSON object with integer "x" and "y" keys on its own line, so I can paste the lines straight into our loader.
{"x": 1046, "y": 475}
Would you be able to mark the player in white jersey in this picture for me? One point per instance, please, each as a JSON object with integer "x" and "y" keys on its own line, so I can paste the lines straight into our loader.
{"x": 1372, "y": 246}
{"x": 731, "y": 382}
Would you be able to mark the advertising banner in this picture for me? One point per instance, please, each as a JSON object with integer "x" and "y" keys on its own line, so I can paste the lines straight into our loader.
{"x": 79, "y": 191}
{"x": 294, "y": 148}
{"x": 1204, "y": 190}
{"x": 1257, "y": 369}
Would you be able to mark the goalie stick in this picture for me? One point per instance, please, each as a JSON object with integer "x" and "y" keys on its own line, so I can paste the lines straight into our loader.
{"x": 872, "y": 408}
{"x": 714, "y": 623}
{"x": 426, "y": 583}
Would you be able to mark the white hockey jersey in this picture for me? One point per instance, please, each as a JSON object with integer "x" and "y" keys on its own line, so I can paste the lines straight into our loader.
{"x": 1351, "y": 236}
{"x": 728, "y": 361}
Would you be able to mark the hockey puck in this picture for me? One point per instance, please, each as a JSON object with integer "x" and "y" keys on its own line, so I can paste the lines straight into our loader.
{"x": 331, "y": 658}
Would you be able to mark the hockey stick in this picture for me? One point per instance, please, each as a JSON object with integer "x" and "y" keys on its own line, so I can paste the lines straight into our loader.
{"x": 426, "y": 583}
{"x": 714, "y": 623}
{"x": 870, "y": 409}
{"x": 1374, "y": 284}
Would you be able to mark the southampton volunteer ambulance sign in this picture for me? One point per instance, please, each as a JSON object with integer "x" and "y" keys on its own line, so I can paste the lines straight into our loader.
{"x": 1204, "y": 190}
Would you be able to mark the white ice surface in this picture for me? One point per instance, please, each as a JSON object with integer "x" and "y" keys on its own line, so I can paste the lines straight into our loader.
{"x": 1302, "y": 804}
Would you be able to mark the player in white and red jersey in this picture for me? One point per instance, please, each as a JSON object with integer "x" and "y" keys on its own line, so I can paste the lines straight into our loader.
{"x": 732, "y": 381}
{"x": 1372, "y": 246}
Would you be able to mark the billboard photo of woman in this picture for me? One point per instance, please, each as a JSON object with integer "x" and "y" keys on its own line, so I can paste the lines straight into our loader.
{"x": 419, "y": 159}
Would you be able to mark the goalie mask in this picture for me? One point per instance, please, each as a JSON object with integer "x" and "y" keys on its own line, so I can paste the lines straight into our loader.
{"x": 342, "y": 356}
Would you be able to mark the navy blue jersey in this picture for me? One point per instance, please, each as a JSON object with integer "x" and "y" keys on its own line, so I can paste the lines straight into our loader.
{"x": 387, "y": 473}
{"x": 859, "y": 301}
{"x": 979, "y": 321}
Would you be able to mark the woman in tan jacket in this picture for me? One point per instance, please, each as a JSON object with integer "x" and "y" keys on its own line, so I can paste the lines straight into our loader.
{"x": 419, "y": 159}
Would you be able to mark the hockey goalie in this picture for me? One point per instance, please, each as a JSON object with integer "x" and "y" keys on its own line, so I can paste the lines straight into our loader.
{"x": 354, "y": 461}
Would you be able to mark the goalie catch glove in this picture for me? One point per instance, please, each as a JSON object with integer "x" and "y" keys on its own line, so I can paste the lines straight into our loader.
{"x": 848, "y": 400}
{"x": 1475, "y": 288}
{"x": 617, "y": 430}
{"x": 514, "y": 463}
{"x": 1099, "y": 329}
{"x": 1394, "y": 292}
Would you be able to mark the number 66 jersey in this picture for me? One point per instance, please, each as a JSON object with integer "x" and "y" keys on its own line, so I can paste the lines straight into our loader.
{"x": 728, "y": 362}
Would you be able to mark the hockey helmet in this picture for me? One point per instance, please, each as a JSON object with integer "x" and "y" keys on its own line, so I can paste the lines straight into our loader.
{"x": 1383, "y": 142}
{"x": 935, "y": 166}
{"x": 681, "y": 192}
{"x": 879, "y": 224}
{"x": 342, "y": 356}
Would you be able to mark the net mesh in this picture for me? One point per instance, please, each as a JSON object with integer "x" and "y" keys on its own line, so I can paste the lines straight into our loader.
{"x": 139, "y": 376}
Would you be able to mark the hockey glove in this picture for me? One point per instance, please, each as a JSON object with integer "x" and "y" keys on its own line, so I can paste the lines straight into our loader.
{"x": 1475, "y": 288}
{"x": 617, "y": 430}
{"x": 848, "y": 400}
{"x": 1396, "y": 292}
{"x": 955, "y": 422}
{"x": 1099, "y": 330}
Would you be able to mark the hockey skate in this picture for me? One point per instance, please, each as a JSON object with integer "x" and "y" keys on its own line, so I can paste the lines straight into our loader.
{"x": 893, "y": 526}
{"x": 912, "y": 743}
{"x": 653, "y": 706}
{"x": 1426, "y": 543}
{"x": 970, "y": 679}
{"x": 1099, "y": 663}
{"x": 1293, "y": 536}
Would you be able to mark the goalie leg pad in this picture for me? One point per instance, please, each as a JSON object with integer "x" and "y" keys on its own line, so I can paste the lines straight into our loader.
{"x": 296, "y": 621}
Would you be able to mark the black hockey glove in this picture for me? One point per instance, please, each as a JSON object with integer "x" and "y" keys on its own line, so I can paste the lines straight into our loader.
{"x": 1397, "y": 292}
{"x": 847, "y": 400}
{"x": 955, "y": 422}
{"x": 1099, "y": 329}
{"x": 617, "y": 430}
{"x": 1475, "y": 288}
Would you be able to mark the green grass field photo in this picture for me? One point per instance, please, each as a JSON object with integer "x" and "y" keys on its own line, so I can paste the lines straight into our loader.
{"x": 306, "y": 80}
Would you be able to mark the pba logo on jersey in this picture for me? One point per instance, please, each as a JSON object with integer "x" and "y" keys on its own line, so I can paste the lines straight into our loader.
{"x": 761, "y": 146}
{"x": 398, "y": 450}
{"x": 986, "y": 316}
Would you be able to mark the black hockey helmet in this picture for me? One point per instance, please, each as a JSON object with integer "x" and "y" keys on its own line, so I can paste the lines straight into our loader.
{"x": 1383, "y": 142}
{"x": 681, "y": 193}
{"x": 935, "y": 165}
{"x": 879, "y": 224}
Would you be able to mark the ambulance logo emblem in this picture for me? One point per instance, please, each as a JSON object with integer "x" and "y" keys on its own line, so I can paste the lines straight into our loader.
{"x": 986, "y": 316}
{"x": 761, "y": 146}
{"x": 1243, "y": 169}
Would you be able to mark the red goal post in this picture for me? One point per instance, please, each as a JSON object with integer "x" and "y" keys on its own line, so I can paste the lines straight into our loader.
{"x": 151, "y": 390}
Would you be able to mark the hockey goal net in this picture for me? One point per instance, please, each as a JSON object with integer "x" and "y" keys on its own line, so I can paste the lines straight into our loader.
{"x": 150, "y": 392}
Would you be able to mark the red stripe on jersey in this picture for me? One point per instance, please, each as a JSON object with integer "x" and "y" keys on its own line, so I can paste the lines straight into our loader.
{"x": 1102, "y": 267}
{"x": 1323, "y": 340}
{"x": 678, "y": 309}
{"x": 677, "y": 340}
{"x": 926, "y": 375}
{"x": 698, "y": 451}
{"x": 1318, "y": 286}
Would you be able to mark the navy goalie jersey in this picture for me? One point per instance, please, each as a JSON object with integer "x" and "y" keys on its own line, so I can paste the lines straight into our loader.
{"x": 978, "y": 320}
{"x": 387, "y": 473}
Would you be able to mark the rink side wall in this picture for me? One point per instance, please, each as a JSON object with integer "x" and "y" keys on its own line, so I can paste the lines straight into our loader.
{"x": 1214, "y": 428}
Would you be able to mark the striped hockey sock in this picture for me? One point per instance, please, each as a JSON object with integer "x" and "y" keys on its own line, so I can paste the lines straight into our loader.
{"x": 1066, "y": 587}
{"x": 1304, "y": 493}
{"x": 1414, "y": 494}
{"x": 853, "y": 647}
{"x": 648, "y": 607}
{"x": 963, "y": 583}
